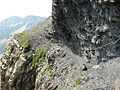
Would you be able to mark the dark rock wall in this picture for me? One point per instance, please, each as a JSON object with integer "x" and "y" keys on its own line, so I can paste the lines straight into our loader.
{"x": 89, "y": 28}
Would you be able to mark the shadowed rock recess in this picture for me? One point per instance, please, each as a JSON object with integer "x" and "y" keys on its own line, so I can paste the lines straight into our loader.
{"x": 78, "y": 48}
{"x": 90, "y": 28}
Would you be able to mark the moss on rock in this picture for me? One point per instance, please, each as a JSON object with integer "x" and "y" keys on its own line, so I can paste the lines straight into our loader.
{"x": 23, "y": 39}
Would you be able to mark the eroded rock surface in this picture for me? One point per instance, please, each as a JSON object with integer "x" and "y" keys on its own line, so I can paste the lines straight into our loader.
{"x": 88, "y": 27}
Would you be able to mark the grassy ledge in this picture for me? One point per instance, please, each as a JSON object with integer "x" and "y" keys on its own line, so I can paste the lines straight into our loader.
{"x": 23, "y": 38}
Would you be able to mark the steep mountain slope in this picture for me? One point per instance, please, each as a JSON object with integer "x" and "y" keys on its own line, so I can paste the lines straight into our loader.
{"x": 50, "y": 57}
{"x": 16, "y": 24}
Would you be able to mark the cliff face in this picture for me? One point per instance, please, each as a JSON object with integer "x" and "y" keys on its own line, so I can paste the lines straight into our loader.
{"x": 90, "y": 28}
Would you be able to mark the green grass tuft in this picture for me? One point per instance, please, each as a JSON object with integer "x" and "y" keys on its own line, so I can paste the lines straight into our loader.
{"x": 39, "y": 56}
{"x": 23, "y": 39}
{"x": 35, "y": 28}
{"x": 78, "y": 81}
{"x": 59, "y": 89}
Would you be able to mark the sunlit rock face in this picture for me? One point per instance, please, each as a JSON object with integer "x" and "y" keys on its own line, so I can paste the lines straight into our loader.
{"x": 89, "y": 28}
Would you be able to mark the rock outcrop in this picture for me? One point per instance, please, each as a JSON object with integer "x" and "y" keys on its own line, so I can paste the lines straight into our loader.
{"x": 17, "y": 72}
{"x": 14, "y": 68}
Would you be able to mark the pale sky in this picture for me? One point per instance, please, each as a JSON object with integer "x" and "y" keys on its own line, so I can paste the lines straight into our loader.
{"x": 23, "y": 8}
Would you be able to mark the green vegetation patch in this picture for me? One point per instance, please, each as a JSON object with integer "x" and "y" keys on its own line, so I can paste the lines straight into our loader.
{"x": 78, "y": 81}
{"x": 23, "y": 38}
{"x": 39, "y": 56}
{"x": 35, "y": 28}
{"x": 59, "y": 89}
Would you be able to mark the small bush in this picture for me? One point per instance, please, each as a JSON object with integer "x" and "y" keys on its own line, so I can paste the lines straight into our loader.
{"x": 38, "y": 57}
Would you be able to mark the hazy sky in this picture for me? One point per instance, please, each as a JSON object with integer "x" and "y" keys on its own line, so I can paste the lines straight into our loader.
{"x": 25, "y": 7}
